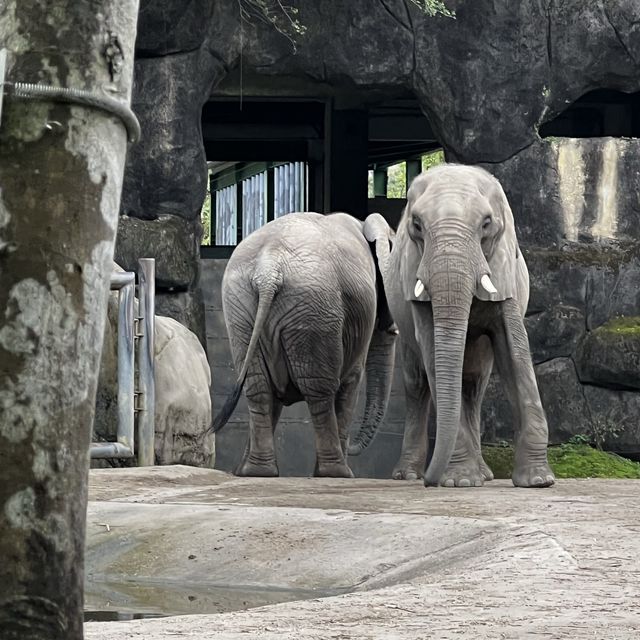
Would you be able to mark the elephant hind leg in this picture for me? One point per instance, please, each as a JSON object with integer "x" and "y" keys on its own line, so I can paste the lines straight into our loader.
{"x": 330, "y": 459}
{"x": 259, "y": 458}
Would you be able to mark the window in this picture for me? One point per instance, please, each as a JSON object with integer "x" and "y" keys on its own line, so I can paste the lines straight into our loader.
{"x": 243, "y": 197}
{"x": 390, "y": 180}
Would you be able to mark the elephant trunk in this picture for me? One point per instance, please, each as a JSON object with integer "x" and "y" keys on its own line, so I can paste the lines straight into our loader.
{"x": 451, "y": 291}
{"x": 379, "y": 372}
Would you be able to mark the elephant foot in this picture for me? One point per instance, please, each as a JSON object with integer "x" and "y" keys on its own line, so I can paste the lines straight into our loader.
{"x": 332, "y": 470}
{"x": 533, "y": 476}
{"x": 463, "y": 475}
{"x": 487, "y": 474}
{"x": 405, "y": 470}
{"x": 259, "y": 469}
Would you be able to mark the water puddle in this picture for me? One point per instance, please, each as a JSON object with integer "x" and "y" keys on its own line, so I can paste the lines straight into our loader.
{"x": 116, "y": 616}
{"x": 111, "y": 601}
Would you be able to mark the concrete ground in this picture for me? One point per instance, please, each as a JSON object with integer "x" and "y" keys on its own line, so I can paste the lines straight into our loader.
{"x": 303, "y": 558}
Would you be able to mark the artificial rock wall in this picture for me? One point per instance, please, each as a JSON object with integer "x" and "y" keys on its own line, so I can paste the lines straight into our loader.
{"x": 487, "y": 81}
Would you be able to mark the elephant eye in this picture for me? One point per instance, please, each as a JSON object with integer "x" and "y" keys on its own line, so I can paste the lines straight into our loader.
{"x": 417, "y": 225}
{"x": 486, "y": 222}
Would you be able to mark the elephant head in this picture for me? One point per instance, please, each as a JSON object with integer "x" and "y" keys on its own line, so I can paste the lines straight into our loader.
{"x": 456, "y": 241}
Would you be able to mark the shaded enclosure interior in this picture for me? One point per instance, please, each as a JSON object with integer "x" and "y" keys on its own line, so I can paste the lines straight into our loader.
{"x": 346, "y": 154}
{"x": 598, "y": 114}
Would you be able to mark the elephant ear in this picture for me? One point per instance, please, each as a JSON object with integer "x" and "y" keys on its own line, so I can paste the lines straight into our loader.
{"x": 503, "y": 252}
{"x": 409, "y": 268}
{"x": 410, "y": 252}
{"x": 380, "y": 237}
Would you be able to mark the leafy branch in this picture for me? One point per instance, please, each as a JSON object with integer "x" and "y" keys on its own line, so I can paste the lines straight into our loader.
{"x": 434, "y": 8}
{"x": 284, "y": 17}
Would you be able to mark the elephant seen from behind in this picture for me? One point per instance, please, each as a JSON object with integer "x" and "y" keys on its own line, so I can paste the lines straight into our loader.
{"x": 458, "y": 287}
{"x": 306, "y": 314}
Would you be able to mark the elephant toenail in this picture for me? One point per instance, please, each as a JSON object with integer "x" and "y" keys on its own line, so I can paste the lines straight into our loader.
{"x": 449, "y": 483}
{"x": 464, "y": 482}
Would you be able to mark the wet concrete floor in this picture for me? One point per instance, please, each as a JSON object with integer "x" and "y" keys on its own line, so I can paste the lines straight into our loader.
{"x": 297, "y": 558}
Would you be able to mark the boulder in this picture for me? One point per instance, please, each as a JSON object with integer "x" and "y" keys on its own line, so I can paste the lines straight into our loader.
{"x": 609, "y": 356}
{"x": 563, "y": 400}
{"x": 183, "y": 401}
{"x": 554, "y": 333}
{"x": 187, "y": 307}
{"x": 172, "y": 241}
{"x": 599, "y": 280}
{"x": 615, "y": 415}
{"x": 170, "y": 27}
{"x": 570, "y": 190}
{"x": 166, "y": 171}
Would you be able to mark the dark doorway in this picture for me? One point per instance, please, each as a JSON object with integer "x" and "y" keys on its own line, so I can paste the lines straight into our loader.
{"x": 599, "y": 113}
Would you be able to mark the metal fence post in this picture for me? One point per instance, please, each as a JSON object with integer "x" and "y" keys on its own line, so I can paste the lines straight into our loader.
{"x": 124, "y": 283}
{"x": 146, "y": 352}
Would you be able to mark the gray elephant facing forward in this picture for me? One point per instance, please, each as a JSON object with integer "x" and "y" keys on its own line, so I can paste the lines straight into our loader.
{"x": 306, "y": 314}
{"x": 458, "y": 287}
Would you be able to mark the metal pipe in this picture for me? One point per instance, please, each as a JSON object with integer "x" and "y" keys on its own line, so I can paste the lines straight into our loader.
{"x": 146, "y": 342}
{"x": 120, "y": 279}
{"x": 124, "y": 282}
{"x": 126, "y": 367}
{"x": 110, "y": 450}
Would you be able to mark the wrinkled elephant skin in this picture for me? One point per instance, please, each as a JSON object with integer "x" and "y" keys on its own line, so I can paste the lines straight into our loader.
{"x": 306, "y": 318}
{"x": 458, "y": 287}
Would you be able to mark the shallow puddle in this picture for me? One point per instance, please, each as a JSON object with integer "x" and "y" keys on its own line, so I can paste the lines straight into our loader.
{"x": 111, "y": 601}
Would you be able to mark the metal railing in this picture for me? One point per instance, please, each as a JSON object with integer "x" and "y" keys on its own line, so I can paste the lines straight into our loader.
{"x": 136, "y": 336}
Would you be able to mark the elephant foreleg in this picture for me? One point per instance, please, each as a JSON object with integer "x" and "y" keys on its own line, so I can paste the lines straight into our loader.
{"x": 467, "y": 468}
{"x": 511, "y": 348}
{"x": 413, "y": 457}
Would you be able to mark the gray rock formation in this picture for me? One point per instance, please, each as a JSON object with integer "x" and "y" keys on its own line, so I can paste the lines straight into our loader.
{"x": 492, "y": 83}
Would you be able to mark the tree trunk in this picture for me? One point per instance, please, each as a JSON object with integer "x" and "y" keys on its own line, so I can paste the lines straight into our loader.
{"x": 61, "y": 169}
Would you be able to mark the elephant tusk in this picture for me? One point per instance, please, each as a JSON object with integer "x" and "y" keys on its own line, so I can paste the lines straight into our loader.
{"x": 486, "y": 283}
{"x": 419, "y": 290}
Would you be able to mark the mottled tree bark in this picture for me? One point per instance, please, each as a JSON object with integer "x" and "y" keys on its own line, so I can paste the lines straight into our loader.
{"x": 61, "y": 172}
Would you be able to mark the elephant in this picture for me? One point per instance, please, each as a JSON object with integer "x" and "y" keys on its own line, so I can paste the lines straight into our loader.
{"x": 458, "y": 287}
{"x": 306, "y": 316}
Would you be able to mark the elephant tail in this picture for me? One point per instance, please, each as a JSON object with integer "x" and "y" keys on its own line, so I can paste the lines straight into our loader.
{"x": 266, "y": 281}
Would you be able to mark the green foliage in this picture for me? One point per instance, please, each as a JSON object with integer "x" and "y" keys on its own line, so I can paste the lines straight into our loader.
{"x": 572, "y": 460}
{"x": 397, "y": 181}
{"x": 284, "y": 17}
{"x": 434, "y": 8}
{"x": 205, "y": 217}
{"x": 432, "y": 159}
{"x": 397, "y": 174}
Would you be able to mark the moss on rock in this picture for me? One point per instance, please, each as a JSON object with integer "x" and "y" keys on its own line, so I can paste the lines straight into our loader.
{"x": 625, "y": 326}
{"x": 567, "y": 461}
{"x": 584, "y": 255}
